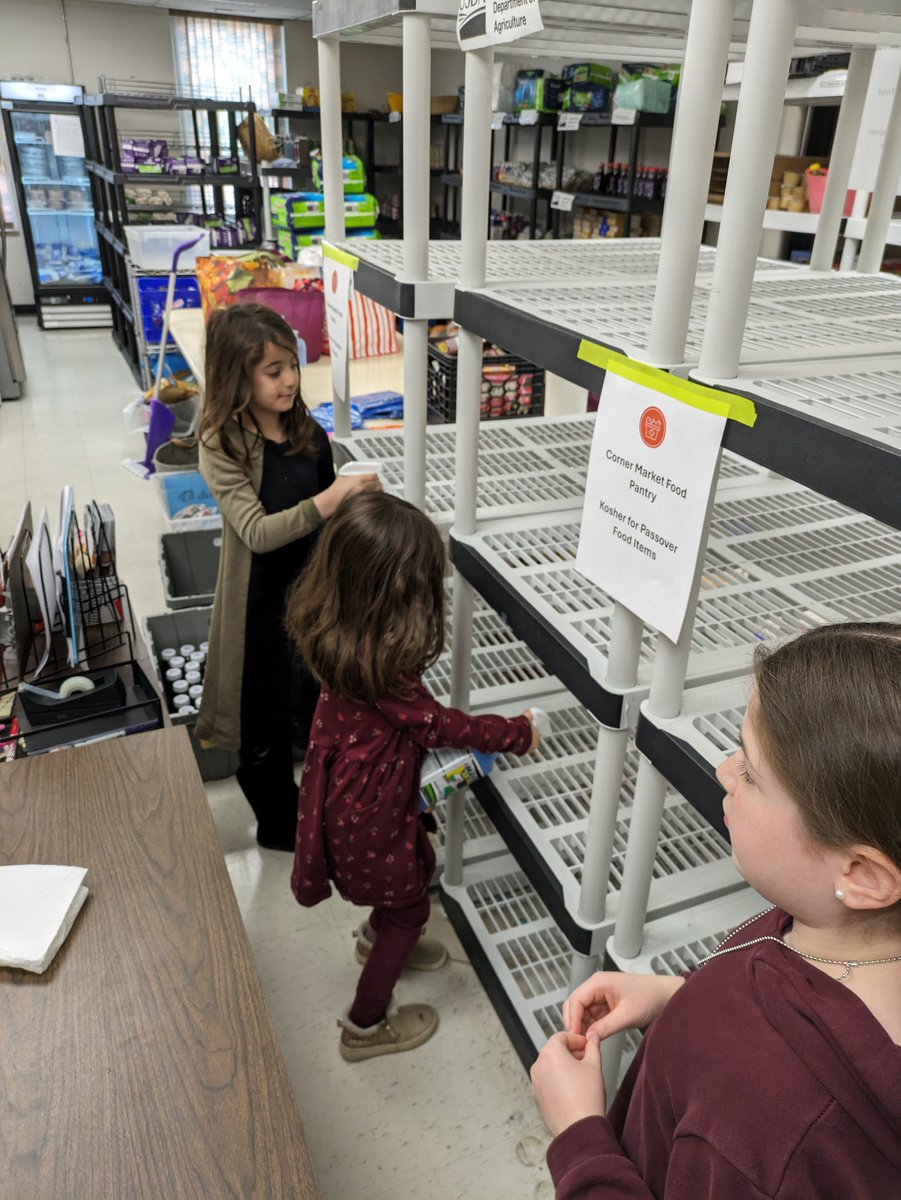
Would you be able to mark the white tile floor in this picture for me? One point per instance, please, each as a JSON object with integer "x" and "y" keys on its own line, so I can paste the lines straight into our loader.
{"x": 453, "y": 1120}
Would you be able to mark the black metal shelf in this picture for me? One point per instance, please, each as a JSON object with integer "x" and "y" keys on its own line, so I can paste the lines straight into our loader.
{"x": 107, "y": 234}
{"x": 164, "y": 103}
{"x": 206, "y": 179}
{"x": 123, "y": 305}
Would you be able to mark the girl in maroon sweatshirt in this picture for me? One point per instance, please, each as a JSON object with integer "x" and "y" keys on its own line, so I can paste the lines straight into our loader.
{"x": 774, "y": 1070}
{"x": 368, "y": 617}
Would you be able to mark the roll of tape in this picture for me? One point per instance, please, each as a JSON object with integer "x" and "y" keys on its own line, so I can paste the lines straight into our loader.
{"x": 75, "y": 685}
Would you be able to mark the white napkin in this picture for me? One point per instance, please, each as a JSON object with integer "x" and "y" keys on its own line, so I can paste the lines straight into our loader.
{"x": 38, "y": 906}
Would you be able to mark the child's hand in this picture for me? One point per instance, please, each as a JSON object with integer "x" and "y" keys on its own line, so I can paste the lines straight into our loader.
{"x": 567, "y": 1081}
{"x": 612, "y": 1000}
{"x": 345, "y": 485}
{"x": 536, "y": 732}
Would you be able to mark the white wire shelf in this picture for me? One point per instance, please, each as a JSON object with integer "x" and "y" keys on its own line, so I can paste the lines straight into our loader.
{"x": 676, "y": 943}
{"x": 780, "y": 559}
{"x": 598, "y": 262}
{"x": 541, "y": 808}
{"x": 551, "y": 453}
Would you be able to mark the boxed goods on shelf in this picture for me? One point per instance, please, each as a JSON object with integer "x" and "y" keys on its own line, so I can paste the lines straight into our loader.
{"x": 588, "y": 73}
{"x": 536, "y": 89}
{"x": 352, "y": 169}
{"x": 511, "y": 386}
{"x": 176, "y": 631}
{"x": 586, "y": 97}
{"x": 306, "y": 210}
{"x": 151, "y": 247}
{"x": 645, "y": 93}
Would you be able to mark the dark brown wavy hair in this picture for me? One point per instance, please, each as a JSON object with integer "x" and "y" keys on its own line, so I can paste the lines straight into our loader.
{"x": 368, "y": 611}
{"x": 236, "y": 340}
{"x": 829, "y": 720}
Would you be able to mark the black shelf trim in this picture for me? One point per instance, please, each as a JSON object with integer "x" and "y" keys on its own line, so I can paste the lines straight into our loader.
{"x": 206, "y": 179}
{"x": 500, "y": 1001}
{"x": 109, "y": 236}
{"x": 548, "y": 346}
{"x": 122, "y": 305}
{"x": 385, "y": 289}
{"x": 554, "y": 651}
{"x": 170, "y": 103}
{"x": 687, "y": 770}
{"x": 533, "y": 865}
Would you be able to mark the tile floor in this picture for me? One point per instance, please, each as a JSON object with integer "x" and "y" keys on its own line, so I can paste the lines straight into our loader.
{"x": 453, "y": 1120}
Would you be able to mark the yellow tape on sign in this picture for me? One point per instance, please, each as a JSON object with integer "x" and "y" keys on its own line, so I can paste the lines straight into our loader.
{"x": 341, "y": 256}
{"x": 712, "y": 400}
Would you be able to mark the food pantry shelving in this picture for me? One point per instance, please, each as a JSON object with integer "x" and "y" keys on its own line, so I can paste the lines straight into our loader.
{"x": 792, "y": 340}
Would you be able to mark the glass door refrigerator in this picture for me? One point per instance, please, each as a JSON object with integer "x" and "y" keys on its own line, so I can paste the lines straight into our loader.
{"x": 44, "y": 129}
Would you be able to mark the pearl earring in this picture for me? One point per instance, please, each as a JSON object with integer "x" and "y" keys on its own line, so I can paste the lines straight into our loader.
{"x": 839, "y": 894}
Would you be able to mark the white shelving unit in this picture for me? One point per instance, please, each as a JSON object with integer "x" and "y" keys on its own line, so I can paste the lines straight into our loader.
{"x": 818, "y": 355}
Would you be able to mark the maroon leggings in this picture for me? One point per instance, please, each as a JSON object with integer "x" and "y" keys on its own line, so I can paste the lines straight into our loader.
{"x": 397, "y": 930}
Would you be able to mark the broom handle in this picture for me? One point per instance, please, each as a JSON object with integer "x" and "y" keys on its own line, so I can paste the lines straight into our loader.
{"x": 167, "y": 312}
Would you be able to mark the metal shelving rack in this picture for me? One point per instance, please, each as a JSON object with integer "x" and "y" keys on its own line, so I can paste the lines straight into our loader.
{"x": 109, "y": 181}
{"x": 817, "y": 360}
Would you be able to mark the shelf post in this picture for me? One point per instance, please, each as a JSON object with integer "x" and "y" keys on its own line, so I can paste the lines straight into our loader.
{"x": 473, "y": 250}
{"x": 882, "y": 201}
{"x": 329, "y": 52}
{"x": 417, "y": 92}
{"x": 769, "y": 49}
{"x": 664, "y": 701}
{"x": 694, "y": 141}
{"x": 840, "y": 159}
{"x": 852, "y": 245}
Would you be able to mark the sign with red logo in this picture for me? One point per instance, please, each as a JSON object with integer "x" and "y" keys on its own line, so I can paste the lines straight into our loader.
{"x": 338, "y": 277}
{"x": 650, "y": 474}
{"x": 652, "y": 427}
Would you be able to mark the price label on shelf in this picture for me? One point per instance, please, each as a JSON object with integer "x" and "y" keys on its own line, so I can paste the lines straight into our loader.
{"x": 394, "y": 117}
{"x": 562, "y": 200}
{"x": 497, "y": 120}
{"x": 528, "y": 116}
{"x": 567, "y": 122}
{"x": 623, "y": 116}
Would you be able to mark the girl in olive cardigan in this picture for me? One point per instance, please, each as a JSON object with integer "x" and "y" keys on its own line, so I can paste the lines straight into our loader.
{"x": 268, "y": 463}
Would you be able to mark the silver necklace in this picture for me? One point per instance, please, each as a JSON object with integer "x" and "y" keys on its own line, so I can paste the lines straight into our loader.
{"x": 847, "y": 963}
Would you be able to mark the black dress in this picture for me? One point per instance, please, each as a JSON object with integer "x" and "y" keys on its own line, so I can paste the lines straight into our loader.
{"x": 278, "y": 695}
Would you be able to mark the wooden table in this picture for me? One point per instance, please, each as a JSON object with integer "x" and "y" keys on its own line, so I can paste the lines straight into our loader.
{"x": 143, "y": 1062}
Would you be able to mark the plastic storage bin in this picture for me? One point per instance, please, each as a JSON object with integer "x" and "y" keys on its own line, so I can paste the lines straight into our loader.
{"x": 511, "y": 386}
{"x": 189, "y": 566}
{"x": 186, "y": 501}
{"x": 174, "y": 629}
{"x": 151, "y": 247}
{"x": 152, "y": 299}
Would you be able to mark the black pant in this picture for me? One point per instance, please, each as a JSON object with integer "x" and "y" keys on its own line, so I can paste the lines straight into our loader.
{"x": 278, "y": 699}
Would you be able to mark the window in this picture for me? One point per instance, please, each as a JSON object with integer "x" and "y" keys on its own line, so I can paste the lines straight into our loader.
{"x": 216, "y": 57}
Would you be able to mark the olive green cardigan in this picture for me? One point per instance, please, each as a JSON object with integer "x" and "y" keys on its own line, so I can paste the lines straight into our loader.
{"x": 247, "y": 529}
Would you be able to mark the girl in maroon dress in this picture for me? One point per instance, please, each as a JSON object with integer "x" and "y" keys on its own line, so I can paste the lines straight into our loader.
{"x": 368, "y": 617}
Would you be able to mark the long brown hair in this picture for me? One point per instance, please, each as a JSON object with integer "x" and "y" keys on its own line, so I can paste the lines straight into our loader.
{"x": 236, "y": 340}
{"x": 369, "y": 609}
{"x": 829, "y": 720}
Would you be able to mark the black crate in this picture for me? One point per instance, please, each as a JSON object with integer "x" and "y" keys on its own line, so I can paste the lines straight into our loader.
{"x": 526, "y": 400}
{"x": 175, "y": 629}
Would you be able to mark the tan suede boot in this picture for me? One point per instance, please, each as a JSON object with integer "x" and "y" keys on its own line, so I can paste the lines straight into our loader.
{"x": 428, "y": 954}
{"x": 402, "y": 1028}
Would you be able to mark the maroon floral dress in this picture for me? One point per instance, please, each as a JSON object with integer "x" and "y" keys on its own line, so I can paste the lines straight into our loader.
{"x": 358, "y": 819}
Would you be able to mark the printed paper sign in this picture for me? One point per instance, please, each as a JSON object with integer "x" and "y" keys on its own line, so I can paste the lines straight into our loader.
{"x": 483, "y": 23}
{"x": 652, "y": 465}
{"x": 624, "y": 116}
{"x": 568, "y": 121}
{"x": 562, "y": 200}
{"x": 66, "y": 135}
{"x": 338, "y": 279}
